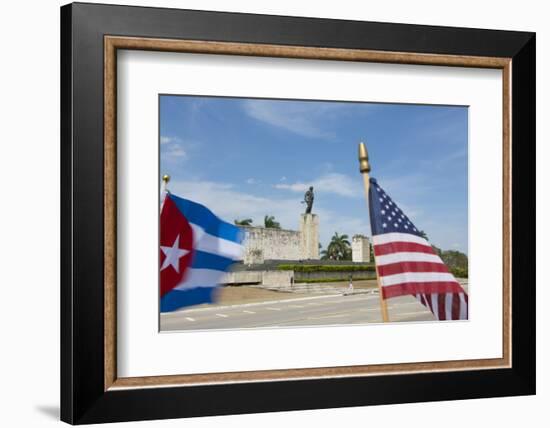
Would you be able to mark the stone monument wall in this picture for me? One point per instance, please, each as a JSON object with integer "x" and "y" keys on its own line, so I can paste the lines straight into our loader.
{"x": 271, "y": 244}
{"x": 360, "y": 249}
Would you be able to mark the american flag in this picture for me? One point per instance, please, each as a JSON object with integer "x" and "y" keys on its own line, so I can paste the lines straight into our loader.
{"x": 407, "y": 263}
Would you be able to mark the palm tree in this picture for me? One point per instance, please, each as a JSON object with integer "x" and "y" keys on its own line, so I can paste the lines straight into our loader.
{"x": 423, "y": 235}
{"x": 339, "y": 248}
{"x": 244, "y": 222}
{"x": 325, "y": 255}
{"x": 270, "y": 223}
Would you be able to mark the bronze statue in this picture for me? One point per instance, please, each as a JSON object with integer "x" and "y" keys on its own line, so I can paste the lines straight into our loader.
{"x": 308, "y": 200}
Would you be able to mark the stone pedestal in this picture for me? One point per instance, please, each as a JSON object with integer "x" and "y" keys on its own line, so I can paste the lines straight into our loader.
{"x": 360, "y": 249}
{"x": 309, "y": 231}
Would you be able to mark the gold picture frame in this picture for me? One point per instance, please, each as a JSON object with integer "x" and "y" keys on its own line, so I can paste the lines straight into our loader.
{"x": 111, "y": 384}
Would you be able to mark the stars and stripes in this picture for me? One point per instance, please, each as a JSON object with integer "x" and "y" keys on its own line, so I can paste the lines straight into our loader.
{"x": 406, "y": 262}
{"x": 196, "y": 249}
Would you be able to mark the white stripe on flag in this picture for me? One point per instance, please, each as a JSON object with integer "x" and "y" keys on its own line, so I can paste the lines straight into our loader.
{"x": 386, "y": 238}
{"x": 213, "y": 244}
{"x": 449, "y": 306}
{"x": 435, "y": 306}
{"x": 417, "y": 277}
{"x": 407, "y": 257}
{"x": 196, "y": 278}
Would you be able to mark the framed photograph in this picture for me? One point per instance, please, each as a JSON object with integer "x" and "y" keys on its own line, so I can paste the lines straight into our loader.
{"x": 266, "y": 213}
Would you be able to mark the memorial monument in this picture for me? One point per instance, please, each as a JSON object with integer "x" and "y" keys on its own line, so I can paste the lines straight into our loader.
{"x": 279, "y": 244}
{"x": 309, "y": 229}
{"x": 360, "y": 249}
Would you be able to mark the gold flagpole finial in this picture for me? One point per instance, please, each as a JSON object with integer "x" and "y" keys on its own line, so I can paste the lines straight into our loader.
{"x": 364, "y": 165}
{"x": 165, "y": 180}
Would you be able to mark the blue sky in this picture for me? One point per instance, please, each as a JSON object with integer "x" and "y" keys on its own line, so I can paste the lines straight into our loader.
{"x": 246, "y": 158}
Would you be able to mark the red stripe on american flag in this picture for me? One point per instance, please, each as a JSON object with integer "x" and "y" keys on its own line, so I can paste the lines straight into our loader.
{"x": 412, "y": 267}
{"x": 396, "y": 290}
{"x": 423, "y": 299}
{"x": 441, "y": 306}
{"x": 402, "y": 247}
{"x": 455, "y": 310}
{"x": 428, "y": 300}
{"x": 404, "y": 267}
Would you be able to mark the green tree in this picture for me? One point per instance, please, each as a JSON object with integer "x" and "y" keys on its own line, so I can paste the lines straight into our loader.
{"x": 270, "y": 223}
{"x": 455, "y": 259}
{"x": 339, "y": 248}
{"x": 244, "y": 222}
{"x": 437, "y": 250}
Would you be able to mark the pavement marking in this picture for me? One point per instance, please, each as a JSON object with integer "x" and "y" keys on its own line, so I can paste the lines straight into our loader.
{"x": 327, "y": 316}
{"x": 404, "y": 314}
{"x": 249, "y": 312}
{"x": 397, "y": 305}
{"x": 190, "y": 319}
{"x": 271, "y": 302}
{"x": 222, "y": 315}
{"x": 274, "y": 309}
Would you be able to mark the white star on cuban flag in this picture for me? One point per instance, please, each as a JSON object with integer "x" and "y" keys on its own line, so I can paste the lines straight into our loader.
{"x": 173, "y": 255}
{"x": 176, "y": 245}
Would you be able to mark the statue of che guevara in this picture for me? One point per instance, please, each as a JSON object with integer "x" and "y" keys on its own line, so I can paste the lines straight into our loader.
{"x": 308, "y": 200}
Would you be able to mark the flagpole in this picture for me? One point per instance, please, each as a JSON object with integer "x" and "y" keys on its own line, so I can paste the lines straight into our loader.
{"x": 364, "y": 168}
{"x": 165, "y": 180}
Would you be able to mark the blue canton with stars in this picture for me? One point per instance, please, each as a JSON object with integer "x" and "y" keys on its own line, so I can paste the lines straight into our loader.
{"x": 385, "y": 215}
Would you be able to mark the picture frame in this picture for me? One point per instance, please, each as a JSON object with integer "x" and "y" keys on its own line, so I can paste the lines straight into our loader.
{"x": 91, "y": 391}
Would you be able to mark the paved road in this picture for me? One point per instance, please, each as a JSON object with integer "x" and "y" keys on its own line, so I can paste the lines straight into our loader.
{"x": 307, "y": 311}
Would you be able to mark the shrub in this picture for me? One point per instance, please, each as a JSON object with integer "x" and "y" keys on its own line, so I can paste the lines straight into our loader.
{"x": 456, "y": 271}
{"x": 321, "y": 280}
{"x": 328, "y": 268}
{"x": 459, "y": 272}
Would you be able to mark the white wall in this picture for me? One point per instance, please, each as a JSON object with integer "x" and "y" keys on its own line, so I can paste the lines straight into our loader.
{"x": 271, "y": 244}
{"x": 29, "y": 233}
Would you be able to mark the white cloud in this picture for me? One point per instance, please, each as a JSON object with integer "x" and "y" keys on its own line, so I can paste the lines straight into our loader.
{"x": 174, "y": 152}
{"x": 296, "y": 187}
{"x": 174, "y": 148}
{"x": 303, "y": 118}
{"x": 167, "y": 140}
{"x": 230, "y": 203}
{"x": 335, "y": 183}
{"x": 252, "y": 181}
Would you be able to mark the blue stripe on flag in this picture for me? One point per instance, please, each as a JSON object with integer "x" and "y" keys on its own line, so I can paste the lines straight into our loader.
{"x": 374, "y": 209}
{"x": 202, "y": 260}
{"x": 201, "y": 216}
{"x": 177, "y": 299}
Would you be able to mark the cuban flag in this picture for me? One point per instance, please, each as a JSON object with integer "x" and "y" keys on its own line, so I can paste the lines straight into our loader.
{"x": 407, "y": 264}
{"x": 196, "y": 249}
